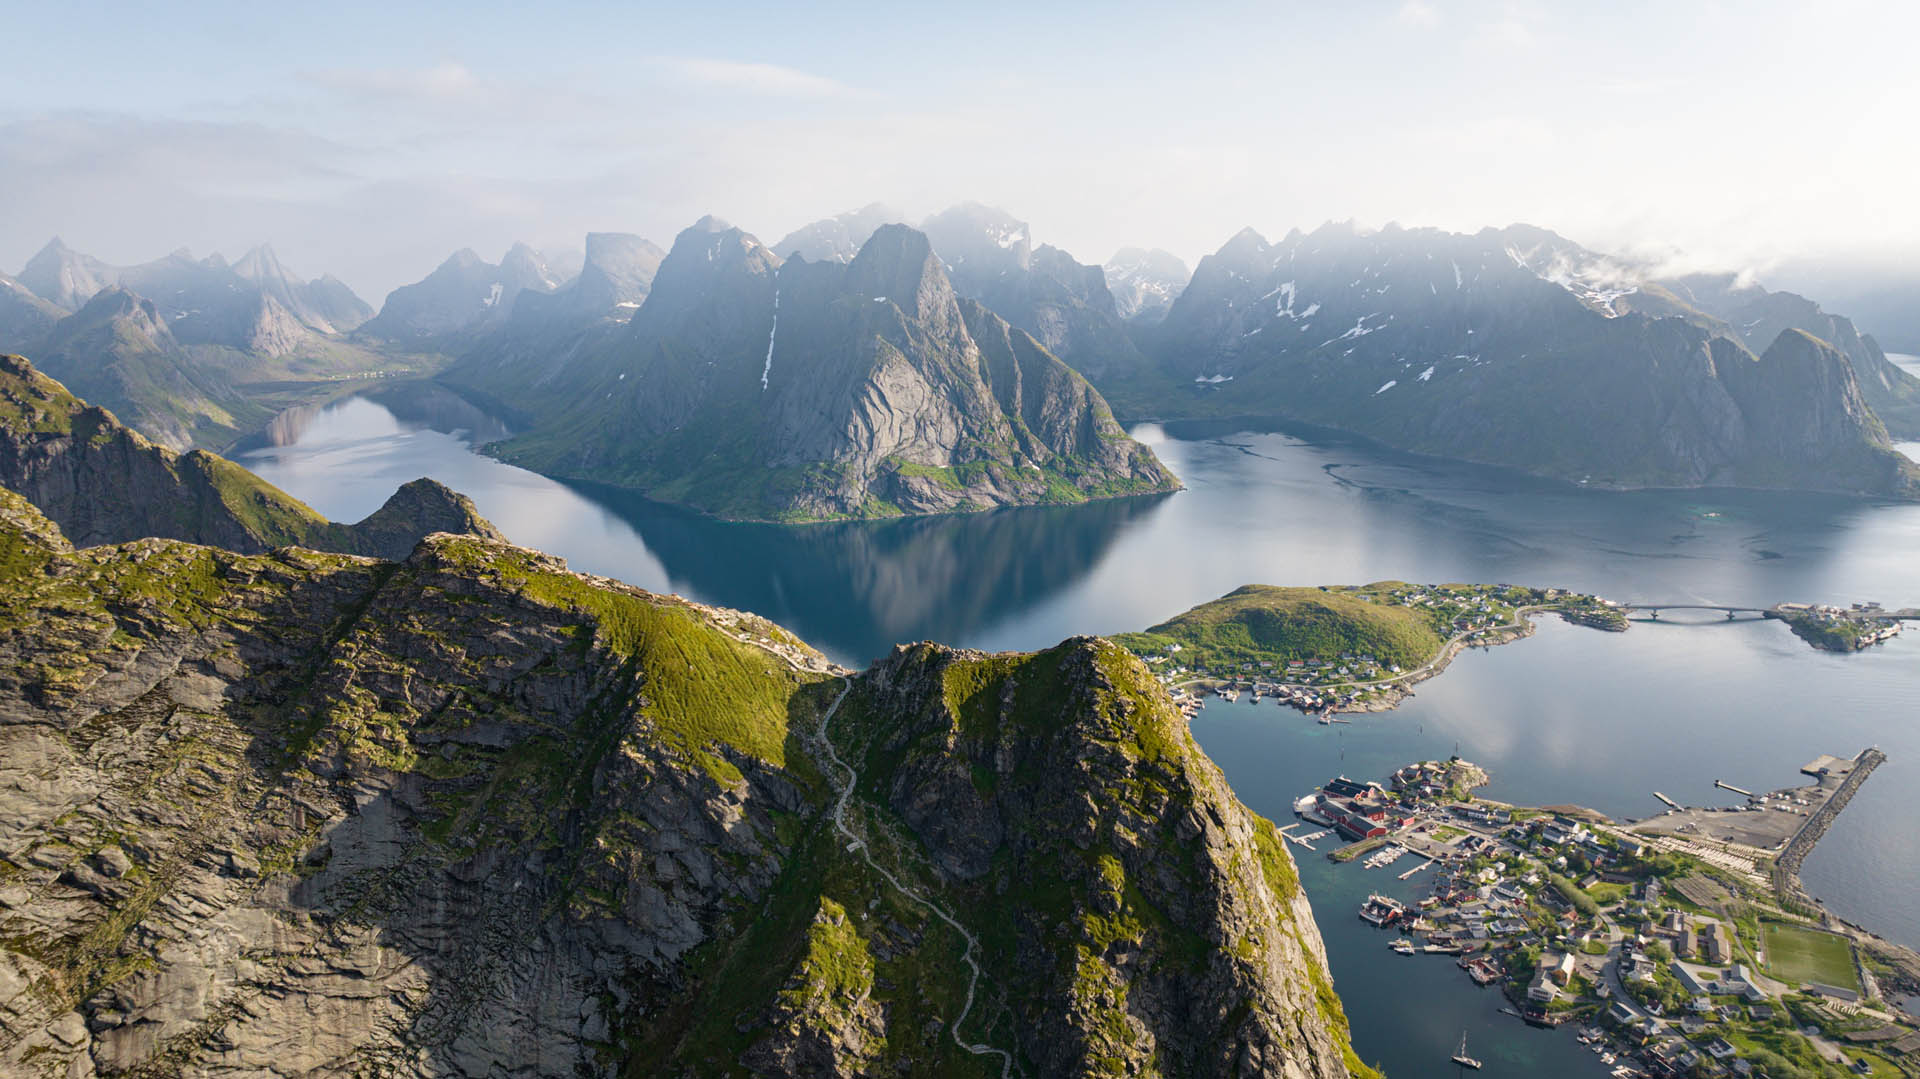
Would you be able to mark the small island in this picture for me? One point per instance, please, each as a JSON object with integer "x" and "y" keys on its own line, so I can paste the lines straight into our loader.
{"x": 1840, "y": 629}
{"x": 1682, "y": 944}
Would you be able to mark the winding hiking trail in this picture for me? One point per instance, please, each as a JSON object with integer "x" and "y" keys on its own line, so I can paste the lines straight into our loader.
{"x": 866, "y": 854}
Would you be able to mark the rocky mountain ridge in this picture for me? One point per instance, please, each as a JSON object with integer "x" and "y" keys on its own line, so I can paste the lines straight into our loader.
{"x": 470, "y": 813}
{"x": 104, "y": 483}
{"x": 1511, "y": 347}
{"x": 255, "y": 304}
{"x": 1145, "y": 282}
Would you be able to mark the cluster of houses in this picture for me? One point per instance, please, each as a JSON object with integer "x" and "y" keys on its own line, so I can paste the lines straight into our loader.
{"x": 1497, "y": 904}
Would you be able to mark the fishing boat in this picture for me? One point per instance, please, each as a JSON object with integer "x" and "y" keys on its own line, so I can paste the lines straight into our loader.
{"x": 1305, "y": 802}
{"x": 1461, "y": 1058}
{"x": 1402, "y": 945}
{"x": 1382, "y": 911}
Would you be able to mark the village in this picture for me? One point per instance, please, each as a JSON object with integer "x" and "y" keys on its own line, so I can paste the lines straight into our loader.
{"x": 1358, "y": 680}
{"x": 1668, "y": 943}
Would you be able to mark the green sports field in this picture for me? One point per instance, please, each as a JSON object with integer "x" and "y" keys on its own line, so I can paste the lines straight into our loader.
{"x": 1798, "y": 954}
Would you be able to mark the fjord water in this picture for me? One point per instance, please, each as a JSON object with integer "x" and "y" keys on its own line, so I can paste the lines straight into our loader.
{"x": 1569, "y": 716}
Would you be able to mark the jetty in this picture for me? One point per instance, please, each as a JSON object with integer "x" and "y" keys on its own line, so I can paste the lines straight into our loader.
{"x": 1724, "y": 785}
{"x": 1669, "y": 801}
{"x": 1416, "y": 869}
{"x": 1786, "y": 865}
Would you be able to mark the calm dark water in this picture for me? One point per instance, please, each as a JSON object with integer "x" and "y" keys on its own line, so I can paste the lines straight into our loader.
{"x": 1571, "y": 715}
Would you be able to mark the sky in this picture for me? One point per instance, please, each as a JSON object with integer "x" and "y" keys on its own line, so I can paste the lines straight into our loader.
{"x": 373, "y": 140}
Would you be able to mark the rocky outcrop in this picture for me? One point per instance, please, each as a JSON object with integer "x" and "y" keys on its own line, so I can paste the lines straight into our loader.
{"x": 103, "y": 483}
{"x": 471, "y": 814}
{"x": 1150, "y": 924}
{"x": 749, "y": 388}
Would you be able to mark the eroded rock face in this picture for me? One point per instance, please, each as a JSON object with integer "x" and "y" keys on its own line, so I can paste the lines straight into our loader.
{"x": 751, "y": 388}
{"x": 472, "y": 814}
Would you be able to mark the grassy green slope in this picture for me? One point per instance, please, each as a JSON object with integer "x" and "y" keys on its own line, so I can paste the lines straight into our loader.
{"x": 1266, "y": 623}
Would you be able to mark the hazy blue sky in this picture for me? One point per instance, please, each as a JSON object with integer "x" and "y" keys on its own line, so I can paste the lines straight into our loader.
{"x": 372, "y": 140}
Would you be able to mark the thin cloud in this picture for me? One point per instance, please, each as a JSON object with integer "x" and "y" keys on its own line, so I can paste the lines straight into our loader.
{"x": 1417, "y": 13}
{"x": 773, "y": 80}
{"x": 448, "y": 81}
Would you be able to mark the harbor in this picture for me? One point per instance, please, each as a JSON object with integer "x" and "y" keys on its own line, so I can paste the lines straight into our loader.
{"x": 1662, "y": 939}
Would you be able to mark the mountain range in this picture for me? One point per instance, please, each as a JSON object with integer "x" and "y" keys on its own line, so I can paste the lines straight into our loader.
{"x": 192, "y": 352}
{"x": 750, "y": 387}
{"x": 1513, "y": 347}
{"x": 1442, "y": 343}
{"x": 465, "y": 812}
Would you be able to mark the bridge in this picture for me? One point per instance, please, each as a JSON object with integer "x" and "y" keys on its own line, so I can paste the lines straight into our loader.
{"x": 1905, "y": 614}
{"x": 1653, "y": 609}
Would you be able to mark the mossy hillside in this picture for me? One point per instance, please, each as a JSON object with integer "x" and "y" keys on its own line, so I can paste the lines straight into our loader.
{"x": 531, "y": 717}
{"x": 1090, "y": 906}
{"x": 702, "y": 687}
{"x": 278, "y": 519}
{"x": 1264, "y": 623}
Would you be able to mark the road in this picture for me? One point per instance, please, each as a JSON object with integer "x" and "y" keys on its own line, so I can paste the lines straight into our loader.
{"x": 825, "y": 744}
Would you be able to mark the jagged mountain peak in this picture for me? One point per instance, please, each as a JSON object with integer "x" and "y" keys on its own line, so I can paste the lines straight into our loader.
{"x": 121, "y": 305}
{"x": 840, "y": 237}
{"x": 985, "y": 239}
{"x": 64, "y": 277}
{"x": 464, "y": 259}
{"x": 897, "y": 263}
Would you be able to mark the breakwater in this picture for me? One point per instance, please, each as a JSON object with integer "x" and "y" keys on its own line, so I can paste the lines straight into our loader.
{"x": 1786, "y": 865}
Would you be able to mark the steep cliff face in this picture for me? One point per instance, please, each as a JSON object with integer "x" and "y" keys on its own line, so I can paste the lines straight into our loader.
{"x": 752, "y": 389}
{"x": 471, "y": 814}
{"x": 104, "y": 483}
{"x": 1760, "y": 317}
{"x": 1512, "y": 347}
{"x": 1144, "y": 921}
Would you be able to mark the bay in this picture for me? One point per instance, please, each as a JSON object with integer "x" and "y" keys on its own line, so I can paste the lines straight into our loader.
{"x": 1570, "y": 715}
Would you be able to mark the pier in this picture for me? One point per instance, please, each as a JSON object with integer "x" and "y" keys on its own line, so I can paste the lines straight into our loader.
{"x": 1668, "y": 800}
{"x": 1724, "y": 785}
{"x": 1786, "y": 866}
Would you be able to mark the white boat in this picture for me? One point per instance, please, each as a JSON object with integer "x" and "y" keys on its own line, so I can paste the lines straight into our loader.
{"x": 1461, "y": 1058}
{"x": 1305, "y": 802}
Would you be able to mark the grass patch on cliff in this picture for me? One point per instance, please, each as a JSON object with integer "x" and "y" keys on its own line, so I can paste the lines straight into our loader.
{"x": 271, "y": 515}
{"x": 697, "y": 684}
